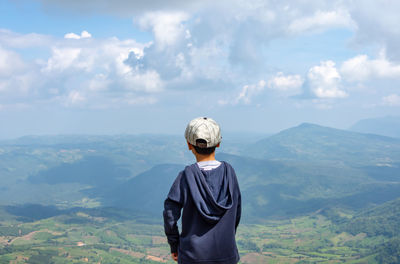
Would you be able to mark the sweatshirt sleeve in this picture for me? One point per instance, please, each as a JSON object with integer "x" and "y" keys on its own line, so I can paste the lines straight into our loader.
{"x": 172, "y": 212}
{"x": 239, "y": 211}
{"x": 239, "y": 204}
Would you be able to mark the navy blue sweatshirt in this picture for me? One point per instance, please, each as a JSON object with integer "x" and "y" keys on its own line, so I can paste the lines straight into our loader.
{"x": 210, "y": 203}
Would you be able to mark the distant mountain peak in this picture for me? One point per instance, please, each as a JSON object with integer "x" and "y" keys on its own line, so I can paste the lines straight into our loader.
{"x": 385, "y": 126}
{"x": 305, "y": 124}
{"x": 305, "y": 128}
{"x": 310, "y": 125}
{"x": 309, "y": 141}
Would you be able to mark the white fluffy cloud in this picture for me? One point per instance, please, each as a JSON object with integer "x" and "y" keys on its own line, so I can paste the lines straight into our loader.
{"x": 361, "y": 68}
{"x": 324, "y": 81}
{"x": 245, "y": 95}
{"x": 248, "y": 91}
{"x": 83, "y": 35}
{"x": 207, "y": 45}
{"x": 374, "y": 21}
{"x": 148, "y": 81}
{"x": 78, "y": 72}
{"x": 15, "y": 74}
{"x": 240, "y": 28}
{"x": 102, "y": 68}
{"x": 166, "y": 26}
{"x": 64, "y": 58}
{"x": 288, "y": 84}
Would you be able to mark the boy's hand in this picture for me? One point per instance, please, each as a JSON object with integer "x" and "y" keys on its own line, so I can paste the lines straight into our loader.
{"x": 174, "y": 256}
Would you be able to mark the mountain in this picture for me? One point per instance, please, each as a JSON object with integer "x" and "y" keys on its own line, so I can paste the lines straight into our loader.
{"x": 297, "y": 171}
{"x": 58, "y": 170}
{"x": 146, "y": 192}
{"x": 386, "y": 126}
{"x": 378, "y": 226}
{"x": 337, "y": 193}
{"x": 380, "y": 220}
{"x": 310, "y": 142}
{"x": 270, "y": 189}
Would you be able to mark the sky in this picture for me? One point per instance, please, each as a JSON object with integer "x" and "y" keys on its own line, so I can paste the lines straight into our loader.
{"x": 131, "y": 66}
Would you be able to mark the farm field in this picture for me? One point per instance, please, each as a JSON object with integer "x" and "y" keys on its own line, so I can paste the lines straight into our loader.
{"x": 113, "y": 236}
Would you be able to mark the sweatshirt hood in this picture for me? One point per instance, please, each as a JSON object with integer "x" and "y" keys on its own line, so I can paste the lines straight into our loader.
{"x": 210, "y": 206}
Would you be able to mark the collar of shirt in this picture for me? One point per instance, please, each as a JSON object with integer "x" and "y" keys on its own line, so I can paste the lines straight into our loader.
{"x": 208, "y": 165}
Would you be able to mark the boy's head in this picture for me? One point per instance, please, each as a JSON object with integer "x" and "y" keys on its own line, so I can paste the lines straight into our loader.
{"x": 203, "y": 134}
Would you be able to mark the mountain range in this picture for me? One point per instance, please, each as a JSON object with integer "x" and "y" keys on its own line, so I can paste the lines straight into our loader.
{"x": 297, "y": 171}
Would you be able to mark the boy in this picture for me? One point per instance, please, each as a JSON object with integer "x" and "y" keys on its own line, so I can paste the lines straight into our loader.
{"x": 207, "y": 193}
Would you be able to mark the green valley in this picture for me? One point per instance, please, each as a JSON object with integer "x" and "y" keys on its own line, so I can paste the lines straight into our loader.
{"x": 310, "y": 194}
{"x": 107, "y": 235}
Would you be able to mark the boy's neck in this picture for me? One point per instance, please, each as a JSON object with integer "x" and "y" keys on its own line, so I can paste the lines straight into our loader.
{"x": 200, "y": 158}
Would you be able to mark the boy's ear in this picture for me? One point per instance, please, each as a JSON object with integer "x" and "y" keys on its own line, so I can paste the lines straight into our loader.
{"x": 189, "y": 145}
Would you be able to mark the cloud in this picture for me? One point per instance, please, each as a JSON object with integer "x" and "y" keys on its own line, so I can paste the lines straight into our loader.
{"x": 391, "y": 100}
{"x": 374, "y": 22}
{"x": 245, "y": 95}
{"x": 361, "y": 68}
{"x": 14, "y": 40}
{"x": 178, "y": 57}
{"x": 102, "y": 63}
{"x": 10, "y": 63}
{"x": 208, "y": 46}
{"x": 15, "y": 74}
{"x": 377, "y": 23}
{"x": 166, "y": 26}
{"x": 100, "y": 67}
{"x": 99, "y": 82}
{"x": 75, "y": 97}
{"x": 219, "y": 43}
{"x": 241, "y": 28}
{"x": 321, "y": 20}
{"x": 148, "y": 81}
{"x": 84, "y": 73}
{"x": 83, "y": 35}
{"x": 288, "y": 84}
{"x": 323, "y": 81}
{"x": 248, "y": 91}
{"x": 63, "y": 58}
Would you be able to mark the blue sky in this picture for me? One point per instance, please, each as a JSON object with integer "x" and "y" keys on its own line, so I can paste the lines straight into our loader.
{"x": 110, "y": 67}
